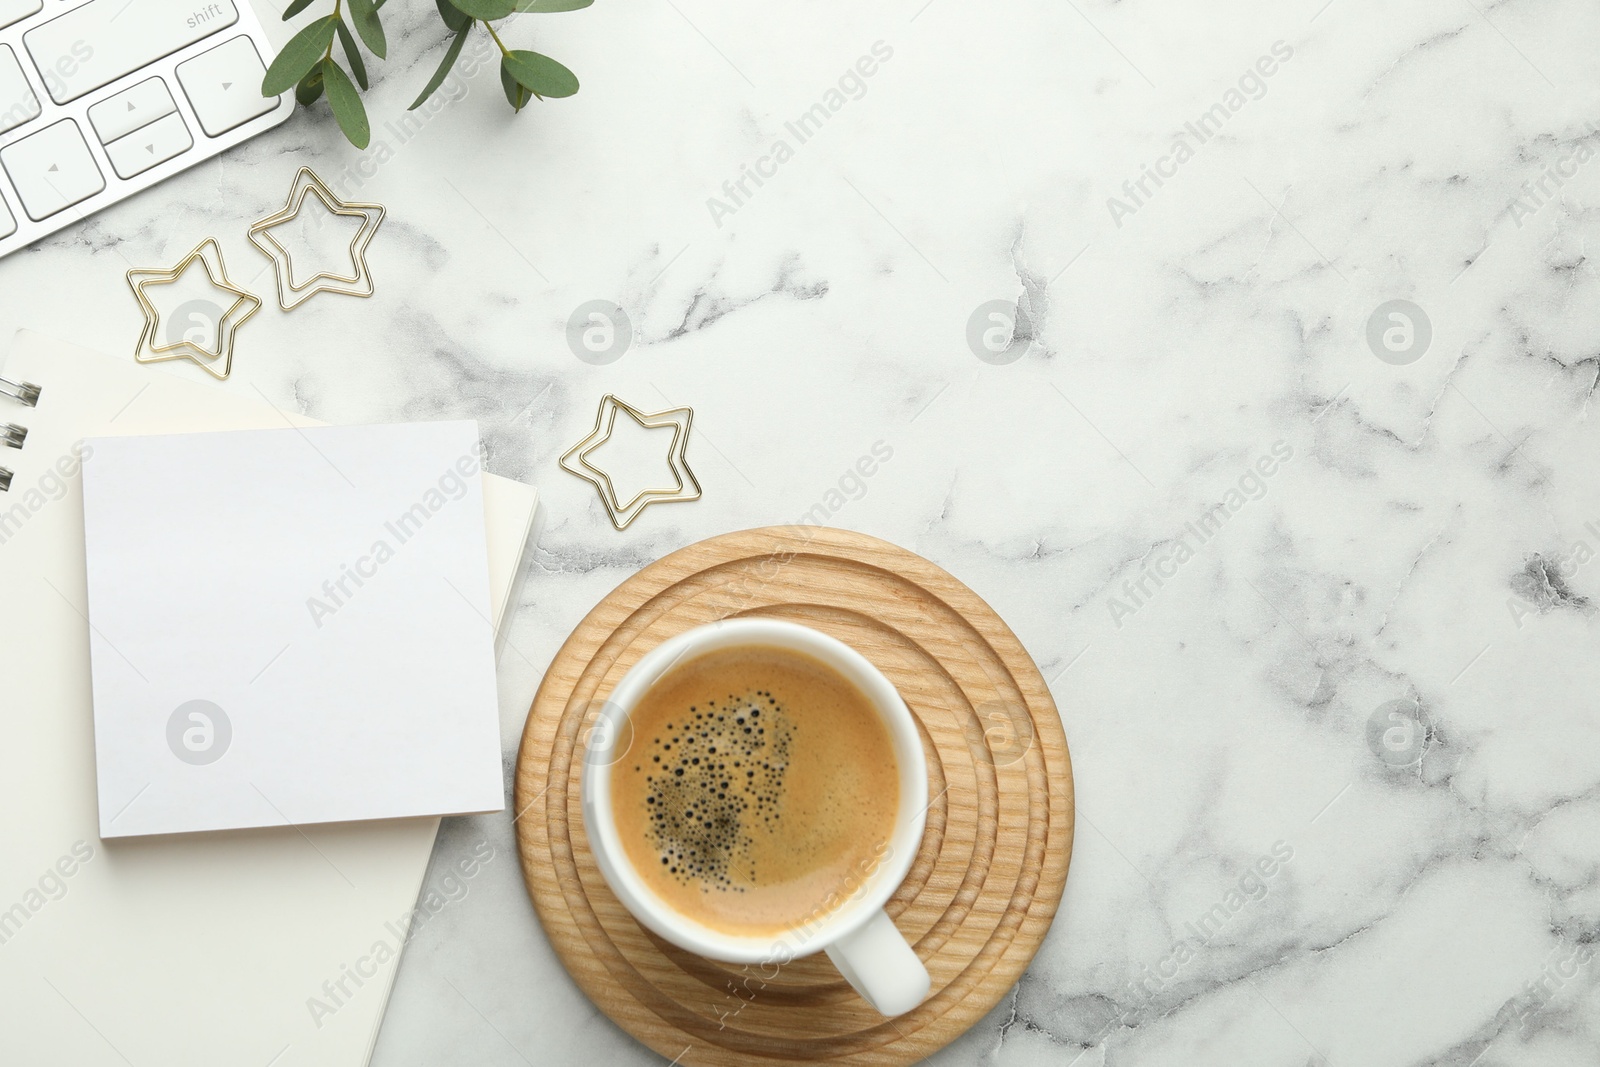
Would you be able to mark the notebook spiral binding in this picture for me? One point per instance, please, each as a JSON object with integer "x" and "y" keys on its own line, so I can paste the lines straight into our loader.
{"x": 12, "y": 435}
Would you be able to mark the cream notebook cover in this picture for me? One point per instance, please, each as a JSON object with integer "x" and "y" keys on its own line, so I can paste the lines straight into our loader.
{"x": 205, "y": 949}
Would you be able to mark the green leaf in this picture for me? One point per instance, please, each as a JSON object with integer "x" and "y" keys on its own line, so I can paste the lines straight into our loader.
{"x": 445, "y": 64}
{"x": 357, "y": 66}
{"x": 304, "y": 50}
{"x": 346, "y": 104}
{"x": 539, "y": 74}
{"x": 487, "y": 10}
{"x": 452, "y": 18}
{"x": 542, "y": 7}
{"x": 365, "y": 15}
{"x": 309, "y": 89}
{"x": 295, "y": 8}
{"x": 516, "y": 95}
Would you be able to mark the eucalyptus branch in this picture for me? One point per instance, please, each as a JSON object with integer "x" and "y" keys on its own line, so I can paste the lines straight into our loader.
{"x": 307, "y": 64}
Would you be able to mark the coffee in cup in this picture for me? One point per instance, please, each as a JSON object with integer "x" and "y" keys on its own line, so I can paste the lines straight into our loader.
{"x": 761, "y": 787}
{"x": 754, "y": 791}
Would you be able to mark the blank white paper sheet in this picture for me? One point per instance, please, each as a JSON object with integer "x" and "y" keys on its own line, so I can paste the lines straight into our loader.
{"x": 289, "y": 627}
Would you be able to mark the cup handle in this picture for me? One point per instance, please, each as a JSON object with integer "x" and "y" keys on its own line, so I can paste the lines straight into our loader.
{"x": 881, "y": 966}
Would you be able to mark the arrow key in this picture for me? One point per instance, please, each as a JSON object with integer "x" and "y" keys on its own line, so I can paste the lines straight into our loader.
{"x": 224, "y": 85}
{"x": 52, "y": 169}
{"x": 142, "y": 149}
{"x": 117, "y": 116}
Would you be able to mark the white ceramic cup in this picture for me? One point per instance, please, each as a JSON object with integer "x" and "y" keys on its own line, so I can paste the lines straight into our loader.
{"x": 858, "y": 936}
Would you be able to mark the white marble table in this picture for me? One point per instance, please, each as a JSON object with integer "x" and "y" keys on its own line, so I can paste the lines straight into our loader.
{"x": 1411, "y": 520}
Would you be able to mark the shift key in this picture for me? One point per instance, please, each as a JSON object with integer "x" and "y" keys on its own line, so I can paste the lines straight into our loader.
{"x": 103, "y": 40}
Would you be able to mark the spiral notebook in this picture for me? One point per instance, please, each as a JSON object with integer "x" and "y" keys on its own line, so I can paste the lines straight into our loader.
{"x": 267, "y": 946}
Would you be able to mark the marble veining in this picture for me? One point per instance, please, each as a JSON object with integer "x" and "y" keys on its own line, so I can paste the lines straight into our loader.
{"x": 1336, "y": 743}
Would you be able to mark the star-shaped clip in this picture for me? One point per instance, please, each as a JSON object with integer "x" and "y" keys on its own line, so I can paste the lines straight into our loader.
{"x": 221, "y": 324}
{"x": 576, "y": 460}
{"x": 357, "y": 283}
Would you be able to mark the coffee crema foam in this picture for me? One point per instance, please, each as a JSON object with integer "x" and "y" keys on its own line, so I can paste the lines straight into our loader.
{"x": 761, "y": 787}
{"x": 714, "y": 774}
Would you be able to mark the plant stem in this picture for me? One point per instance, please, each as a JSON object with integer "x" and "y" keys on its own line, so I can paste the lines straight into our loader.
{"x": 503, "y": 50}
{"x": 329, "y": 53}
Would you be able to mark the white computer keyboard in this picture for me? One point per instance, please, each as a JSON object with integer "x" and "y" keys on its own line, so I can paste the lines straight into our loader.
{"x": 99, "y": 100}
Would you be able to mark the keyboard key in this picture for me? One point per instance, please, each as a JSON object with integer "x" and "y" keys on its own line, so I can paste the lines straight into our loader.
{"x": 52, "y": 170}
{"x": 103, "y": 40}
{"x": 117, "y": 116}
{"x": 224, "y": 86}
{"x": 8, "y": 225}
{"x": 144, "y": 148}
{"x": 17, "y": 102}
{"x": 17, "y": 10}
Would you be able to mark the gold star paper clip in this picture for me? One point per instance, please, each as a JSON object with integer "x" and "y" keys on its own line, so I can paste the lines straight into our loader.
{"x": 357, "y": 283}
{"x": 219, "y": 324}
{"x": 576, "y": 460}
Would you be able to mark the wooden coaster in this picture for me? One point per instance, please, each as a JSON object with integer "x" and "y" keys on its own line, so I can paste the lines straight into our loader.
{"x": 993, "y": 861}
